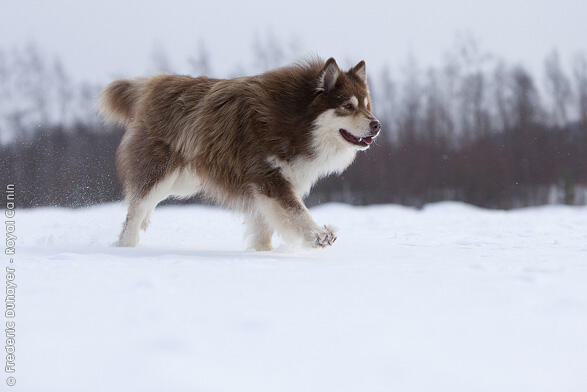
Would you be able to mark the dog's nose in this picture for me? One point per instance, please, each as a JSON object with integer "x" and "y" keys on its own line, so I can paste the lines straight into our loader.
{"x": 375, "y": 126}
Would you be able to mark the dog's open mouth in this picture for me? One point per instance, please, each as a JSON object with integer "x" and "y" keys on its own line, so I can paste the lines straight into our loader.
{"x": 358, "y": 141}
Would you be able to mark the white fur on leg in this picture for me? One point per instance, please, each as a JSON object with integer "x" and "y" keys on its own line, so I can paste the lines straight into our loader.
{"x": 129, "y": 236}
{"x": 258, "y": 233}
{"x": 296, "y": 226}
{"x": 146, "y": 221}
{"x": 139, "y": 211}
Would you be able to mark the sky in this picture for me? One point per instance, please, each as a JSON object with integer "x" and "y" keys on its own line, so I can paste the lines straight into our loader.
{"x": 100, "y": 40}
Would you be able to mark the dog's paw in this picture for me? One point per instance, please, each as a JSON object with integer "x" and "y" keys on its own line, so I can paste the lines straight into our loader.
{"x": 126, "y": 243}
{"x": 324, "y": 237}
{"x": 260, "y": 246}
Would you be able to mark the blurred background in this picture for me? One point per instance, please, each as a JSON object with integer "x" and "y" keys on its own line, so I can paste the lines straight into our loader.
{"x": 481, "y": 102}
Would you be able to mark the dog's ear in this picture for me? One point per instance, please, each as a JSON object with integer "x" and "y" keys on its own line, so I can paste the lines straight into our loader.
{"x": 328, "y": 76}
{"x": 360, "y": 70}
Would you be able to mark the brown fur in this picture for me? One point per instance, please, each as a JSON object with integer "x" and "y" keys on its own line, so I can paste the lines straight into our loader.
{"x": 225, "y": 129}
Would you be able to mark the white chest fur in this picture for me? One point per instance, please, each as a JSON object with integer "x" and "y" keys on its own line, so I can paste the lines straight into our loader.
{"x": 302, "y": 173}
{"x": 332, "y": 154}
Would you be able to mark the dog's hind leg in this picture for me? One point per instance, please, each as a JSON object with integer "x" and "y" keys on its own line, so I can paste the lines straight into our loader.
{"x": 140, "y": 209}
{"x": 130, "y": 229}
{"x": 258, "y": 232}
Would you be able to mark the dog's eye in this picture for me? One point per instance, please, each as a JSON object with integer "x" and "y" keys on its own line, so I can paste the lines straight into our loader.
{"x": 349, "y": 106}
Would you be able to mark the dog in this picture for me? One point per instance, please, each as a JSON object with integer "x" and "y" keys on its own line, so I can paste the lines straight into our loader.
{"x": 255, "y": 144}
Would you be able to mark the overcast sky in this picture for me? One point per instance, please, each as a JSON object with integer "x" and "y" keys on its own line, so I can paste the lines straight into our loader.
{"x": 102, "y": 39}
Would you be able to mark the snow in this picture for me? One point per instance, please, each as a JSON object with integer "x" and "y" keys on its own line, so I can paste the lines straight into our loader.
{"x": 449, "y": 298}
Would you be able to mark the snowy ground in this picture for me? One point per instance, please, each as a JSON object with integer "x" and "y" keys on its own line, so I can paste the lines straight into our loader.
{"x": 451, "y": 298}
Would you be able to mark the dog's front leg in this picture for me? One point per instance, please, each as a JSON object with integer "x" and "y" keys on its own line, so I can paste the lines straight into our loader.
{"x": 288, "y": 215}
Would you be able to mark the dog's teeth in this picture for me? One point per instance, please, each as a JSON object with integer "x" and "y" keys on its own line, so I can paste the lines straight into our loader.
{"x": 360, "y": 139}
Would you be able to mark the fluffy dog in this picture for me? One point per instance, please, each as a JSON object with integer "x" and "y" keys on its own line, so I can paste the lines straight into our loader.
{"x": 256, "y": 144}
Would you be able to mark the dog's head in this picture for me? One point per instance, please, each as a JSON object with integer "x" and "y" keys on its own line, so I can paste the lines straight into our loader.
{"x": 346, "y": 115}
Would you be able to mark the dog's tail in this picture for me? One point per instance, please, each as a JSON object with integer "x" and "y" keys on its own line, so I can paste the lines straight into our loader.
{"x": 119, "y": 99}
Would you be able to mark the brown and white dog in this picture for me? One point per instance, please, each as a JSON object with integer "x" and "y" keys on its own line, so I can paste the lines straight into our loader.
{"x": 255, "y": 144}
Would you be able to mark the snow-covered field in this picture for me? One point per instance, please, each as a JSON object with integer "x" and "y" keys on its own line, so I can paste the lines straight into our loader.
{"x": 450, "y": 298}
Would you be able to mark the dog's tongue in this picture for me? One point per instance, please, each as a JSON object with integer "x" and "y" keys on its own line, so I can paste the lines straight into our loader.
{"x": 368, "y": 140}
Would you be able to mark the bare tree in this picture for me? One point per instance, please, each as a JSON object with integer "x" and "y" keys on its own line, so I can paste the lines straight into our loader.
{"x": 384, "y": 95}
{"x": 268, "y": 52}
{"x": 409, "y": 114}
{"x": 437, "y": 118}
{"x": 558, "y": 89}
{"x": 503, "y": 99}
{"x": 580, "y": 76}
{"x": 471, "y": 61}
{"x": 34, "y": 83}
{"x": 160, "y": 61}
{"x": 526, "y": 101}
{"x": 64, "y": 90}
{"x": 200, "y": 62}
{"x": 3, "y": 68}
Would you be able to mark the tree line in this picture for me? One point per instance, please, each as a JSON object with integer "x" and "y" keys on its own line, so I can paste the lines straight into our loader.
{"x": 475, "y": 129}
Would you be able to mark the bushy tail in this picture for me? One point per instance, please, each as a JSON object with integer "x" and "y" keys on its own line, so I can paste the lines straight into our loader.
{"x": 118, "y": 100}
